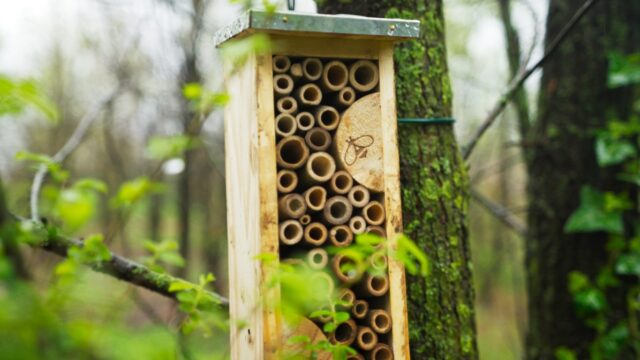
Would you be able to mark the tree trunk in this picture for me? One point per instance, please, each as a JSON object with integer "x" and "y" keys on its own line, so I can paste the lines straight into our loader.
{"x": 434, "y": 185}
{"x": 574, "y": 102}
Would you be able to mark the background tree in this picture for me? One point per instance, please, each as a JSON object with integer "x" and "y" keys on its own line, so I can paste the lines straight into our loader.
{"x": 434, "y": 183}
{"x": 574, "y": 103}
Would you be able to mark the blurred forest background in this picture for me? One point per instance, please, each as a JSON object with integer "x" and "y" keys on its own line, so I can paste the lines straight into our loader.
{"x": 138, "y": 57}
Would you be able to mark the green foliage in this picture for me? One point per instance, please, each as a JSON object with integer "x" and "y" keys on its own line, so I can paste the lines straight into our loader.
{"x": 163, "y": 253}
{"x": 93, "y": 251}
{"x": 592, "y": 214}
{"x": 237, "y": 52}
{"x": 201, "y": 100}
{"x": 614, "y": 215}
{"x": 133, "y": 191}
{"x": 55, "y": 169}
{"x": 623, "y": 70}
{"x": 16, "y": 95}
{"x": 76, "y": 205}
{"x": 203, "y": 310}
{"x": 165, "y": 147}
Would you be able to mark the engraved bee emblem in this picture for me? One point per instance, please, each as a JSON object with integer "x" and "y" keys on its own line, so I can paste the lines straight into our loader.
{"x": 357, "y": 148}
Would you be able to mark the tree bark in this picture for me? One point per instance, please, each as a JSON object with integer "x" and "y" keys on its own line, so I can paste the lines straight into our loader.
{"x": 574, "y": 102}
{"x": 434, "y": 184}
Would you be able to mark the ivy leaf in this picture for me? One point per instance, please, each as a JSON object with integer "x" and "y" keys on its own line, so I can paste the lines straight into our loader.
{"x": 591, "y": 216}
{"x": 578, "y": 282}
{"x": 612, "y": 151}
{"x": 590, "y": 301}
{"x": 623, "y": 70}
{"x": 564, "y": 353}
{"x": 628, "y": 264}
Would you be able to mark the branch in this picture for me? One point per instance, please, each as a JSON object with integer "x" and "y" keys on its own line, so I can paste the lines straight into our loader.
{"x": 72, "y": 143}
{"x": 500, "y": 212}
{"x": 118, "y": 266}
{"x": 517, "y": 82}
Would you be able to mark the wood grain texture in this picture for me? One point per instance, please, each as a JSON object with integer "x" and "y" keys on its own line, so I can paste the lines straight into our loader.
{"x": 324, "y": 47}
{"x": 358, "y": 142}
{"x": 243, "y": 195}
{"x": 392, "y": 203}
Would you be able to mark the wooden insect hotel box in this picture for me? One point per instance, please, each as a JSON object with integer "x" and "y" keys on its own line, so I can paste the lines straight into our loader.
{"x": 311, "y": 162}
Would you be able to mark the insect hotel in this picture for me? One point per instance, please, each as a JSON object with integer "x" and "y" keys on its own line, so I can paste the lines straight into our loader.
{"x": 311, "y": 162}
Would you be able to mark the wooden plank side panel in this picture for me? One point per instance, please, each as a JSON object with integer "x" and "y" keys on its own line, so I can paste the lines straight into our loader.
{"x": 268, "y": 201}
{"x": 392, "y": 201}
{"x": 243, "y": 197}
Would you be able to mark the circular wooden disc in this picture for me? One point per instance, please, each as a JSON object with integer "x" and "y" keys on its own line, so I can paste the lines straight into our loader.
{"x": 307, "y": 328}
{"x": 358, "y": 142}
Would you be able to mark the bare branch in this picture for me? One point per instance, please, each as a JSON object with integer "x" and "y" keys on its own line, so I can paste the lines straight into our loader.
{"x": 517, "y": 82}
{"x": 500, "y": 212}
{"x": 72, "y": 143}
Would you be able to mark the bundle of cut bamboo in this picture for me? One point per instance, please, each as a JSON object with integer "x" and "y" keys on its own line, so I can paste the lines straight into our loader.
{"x": 321, "y": 202}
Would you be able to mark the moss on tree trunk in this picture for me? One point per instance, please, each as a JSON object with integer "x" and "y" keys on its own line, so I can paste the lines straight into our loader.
{"x": 434, "y": 185}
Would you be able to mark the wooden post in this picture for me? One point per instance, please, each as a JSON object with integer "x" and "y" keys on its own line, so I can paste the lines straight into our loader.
{"x": 364, "y": 46}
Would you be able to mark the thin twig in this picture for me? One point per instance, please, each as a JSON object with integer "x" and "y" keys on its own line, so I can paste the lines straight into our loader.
{"x": 72, "y": 143}
{"x": 500, "y": 212}
{"x": 522, "y": 77}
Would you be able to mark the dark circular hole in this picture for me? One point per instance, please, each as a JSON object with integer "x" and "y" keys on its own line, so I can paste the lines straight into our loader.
{"x": 364, "y": 75}
{"x": 378, "y": 283}
{"x": 285, "y": 125}
{"x": 360, "y": 308}
{"x": 358, "y": 195}
{"x": 342, "y": 181}
{"x": 336, "y": 75}
{"x": 347, "y": 96}
{"x": 318, "y": 138}
{"x": 310, "y": 93}
{"x": 281, "y": 63}
{"x": 291, "y": 231}
{"x": 338, "y": 209}
{"x": 381, "y": 321}
{"x": 341, "y": 235}
{"x": 319, "y": 165}
{"x": 292, "y": 152}
{"x": 286, "y": 180}
{"x": 343, "y": 332}
{"x": 315, "y": 197}
{"x": 287, "y": 104}
{"x": 315, "y": 233}
{"x": 328, "y": 118}
{"x": 312, "y": 68}
{"x": 305, "y": 120}
{"x": 374, "y": 212}
{"x": 317, "y": 258}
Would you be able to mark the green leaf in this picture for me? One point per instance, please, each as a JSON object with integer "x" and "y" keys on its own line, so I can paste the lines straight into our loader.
{"x": 16, "y": 95}
{"x": 134, "y": 190}
{"x": 578, "y": 281}
{"x": 591, "y": 215}
{"x": 170, "y": 146}
{"x": 564, "y": 353}
{"x": 298, "y": 339}
{"x": 590, "y": 300}
{"x": 177, "y": 286}
{"x": 623, "y": 70}
{"x": 91, "y": 184}
{"x": 628, "y": 264}
{"x": 192, "y": 91}
{"x": 612, "y": 151}
{"x": 238, "y": 51}
{"x": 75, "y": 208}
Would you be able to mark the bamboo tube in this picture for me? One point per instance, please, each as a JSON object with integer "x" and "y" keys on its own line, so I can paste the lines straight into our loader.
{"x": 357, "y": 224}
{"x": 286, "y": 125}
{"x": 317, "y": 258}
{"x": 355, "y": 357}
{"x": 366, "y": 338}
{"x": 291, "y": 206}
{"x": 344, "y": 98}
{"x": 296, "y": 71}
{"x": 319, "y": 168}
{"x": 341, "y": 182}
{"x": 308, "y": 95}
{"x": 363, "y": 75}
{"x": 374, "y": 213}
{"x": 346, "y": 298}
{"x": 327, "y": 117}
{"x": 305, "y": 121}
{"x": 315, "y": 198}
{"x": 373, "y": 285}
{"x": 360, "y": 309}
{"x": 318, "y": 139}
{"x": 312, "y": 69}
{"x": 282, "y": 85}
{"x": 343, "y": 268}
{"x": 290, "y": 232}
{"x": 359, "y": 196}
{"x": 376, "y": 230}
{"x": 381, "y": 352}
{"x": 315, "y": 234}
{"x": 335, "y": 76}
{"x": 305, "y": 219}
{"x": 287, "y": 180}
{"x": 379, "y": 261}
{"x": 337, "y": 210}
{"x": 287, "y": 105}
{"x": 345, "y": 333}
{"x": 292, "y": 152}
{"x": 281, "y": 64}
{"x": 340, "y": 236}
{"x": 379, "y": 321}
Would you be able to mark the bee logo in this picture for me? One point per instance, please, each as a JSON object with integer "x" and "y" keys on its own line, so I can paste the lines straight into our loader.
{"x": 357, "y": 148}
